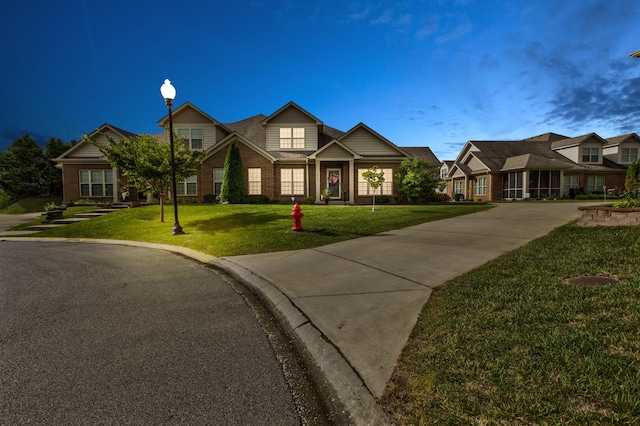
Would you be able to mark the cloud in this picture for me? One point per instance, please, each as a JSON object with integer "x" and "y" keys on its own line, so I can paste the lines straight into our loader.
{"x": 428, "y": 26}
{"x": 601, "y": 103}
{"x": 456, "y": 33}
{"x": 359, "y": 16}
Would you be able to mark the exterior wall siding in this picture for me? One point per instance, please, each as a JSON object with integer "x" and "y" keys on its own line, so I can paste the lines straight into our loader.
{"x": 365, "y": 143}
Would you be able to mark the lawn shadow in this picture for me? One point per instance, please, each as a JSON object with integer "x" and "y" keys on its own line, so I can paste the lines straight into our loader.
{"x": 230, "y": 222}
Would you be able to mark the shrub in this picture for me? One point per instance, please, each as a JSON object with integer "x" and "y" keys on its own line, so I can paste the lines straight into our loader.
{"x": 582, "y": 197}
{"x": 308, "y": 200}
{"x": 209, "y": 199}
{"x": 383, "y": 199}
{"x": 594, "y": 196}
{"x": 442, "y": 198}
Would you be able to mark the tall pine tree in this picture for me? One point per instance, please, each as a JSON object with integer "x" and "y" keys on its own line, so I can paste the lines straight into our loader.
{"x": 23, "y": 169}
{"x": 232, "y": 190}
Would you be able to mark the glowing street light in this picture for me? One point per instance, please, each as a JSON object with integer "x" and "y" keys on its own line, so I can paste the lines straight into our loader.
{"x": 169, "y": 94}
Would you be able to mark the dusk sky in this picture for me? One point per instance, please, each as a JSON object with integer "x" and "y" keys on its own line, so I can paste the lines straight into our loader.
{"x": 431, "y": 73}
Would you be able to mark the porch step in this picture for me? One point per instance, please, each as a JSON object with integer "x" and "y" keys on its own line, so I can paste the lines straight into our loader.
{"x": 68, "y": 220}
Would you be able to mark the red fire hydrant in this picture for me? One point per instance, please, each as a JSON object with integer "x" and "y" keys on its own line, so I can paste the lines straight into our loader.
{"x": 296, "y": 214}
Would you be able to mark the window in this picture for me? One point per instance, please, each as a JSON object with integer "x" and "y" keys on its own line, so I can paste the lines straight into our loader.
{"x": 292, "y": 137}
{"x": 255, "y": 181}
{"x": 480, "y": 186}
{"x": 590, "y": 155}
{"x": 571, "y": 185}
{"x": 444, "y": 170}
{"x": 544, "y": 184}
{"x": 595, "y": 184}
{"x": 385, "y": 189}
{"x": 629, "y": 155}
{"x": 512, "y": 185}
{"x": 292, "y": 181}
{"x": 457, "y": 187}
{"x": 96, "y": 183}
{"x": 189, "y": 186}
{"x": 218, "y": 175}
{"x": 192, "y": 138}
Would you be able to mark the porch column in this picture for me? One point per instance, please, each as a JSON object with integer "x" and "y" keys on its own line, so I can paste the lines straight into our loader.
{"x": 114, "y": 181}
{"x": 352, "y": 182}
{"x": 317, "y": 180}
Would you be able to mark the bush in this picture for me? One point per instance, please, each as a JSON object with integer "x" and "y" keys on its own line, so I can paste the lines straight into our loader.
{"x": 309, "y": 200}
{"x": 595, "y": 196}
{"x": 442, "y": 198}
{"x": 209, "y": 199}
{"x": 382, "y": 199}
{"x": 582, "y": 197}
{"x": 5, "y": 200}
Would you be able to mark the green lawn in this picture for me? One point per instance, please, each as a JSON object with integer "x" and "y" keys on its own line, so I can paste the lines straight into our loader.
{"x": 226, "y": 230}
{"x": 512, "y": 343}
{"x": 30, "y": 205}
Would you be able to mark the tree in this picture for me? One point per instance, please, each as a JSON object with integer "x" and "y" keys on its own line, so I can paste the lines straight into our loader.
{"x": 22, "y": 169}
{"x": 232, "y": 190}
{"x": 417, "y": 181}
{"x": 146, "y": 163}
{"x": 53, "y": 175}
{"x": 375, "y": 179}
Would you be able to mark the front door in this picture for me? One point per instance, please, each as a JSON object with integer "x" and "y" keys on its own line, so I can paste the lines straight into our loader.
{"x": 334, "y": 183}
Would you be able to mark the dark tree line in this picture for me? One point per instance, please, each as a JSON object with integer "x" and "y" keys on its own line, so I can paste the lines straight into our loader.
{"x": 27, "y": 169}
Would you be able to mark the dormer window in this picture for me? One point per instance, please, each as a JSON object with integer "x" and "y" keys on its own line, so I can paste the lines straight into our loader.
{"x": 192, "y": 138}
{"x": 292, "y": 138}
{"x": 591, "y": 155}
{"x": 629, "y": 155}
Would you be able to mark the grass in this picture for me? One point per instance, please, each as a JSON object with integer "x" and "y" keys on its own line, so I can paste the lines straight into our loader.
{"x": 512, "y": 343}
{"x": 30, "y": 205}
{"x": 226, "y": 230}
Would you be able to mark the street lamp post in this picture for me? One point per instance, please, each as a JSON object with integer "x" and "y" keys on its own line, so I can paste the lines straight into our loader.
{"x": 169, "y": 93}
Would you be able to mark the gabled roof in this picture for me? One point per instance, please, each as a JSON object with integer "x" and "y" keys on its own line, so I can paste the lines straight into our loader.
{"x": 547, "y": 137}
{"x": 423, "y": 153}
{"x": 105, "y": 128}
{"x": 578, "y": 140}
{"x": 506, "y": 155}
{"x": 622, "y": 139}
{"x": 337, "y": 143}
{"x": 163, "y": 121}
{"x": 377, "y": 135}
{"x": 227, "y": 140}
{"x": 291, "y": 104}
{"x": 251, "y": 129}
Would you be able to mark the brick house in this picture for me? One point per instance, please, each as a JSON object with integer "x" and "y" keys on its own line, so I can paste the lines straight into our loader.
{"x": 546, "y": 166}
{"x": 288, "y": 154}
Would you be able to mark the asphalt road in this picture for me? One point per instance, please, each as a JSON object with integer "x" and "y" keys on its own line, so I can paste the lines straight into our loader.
{"x": 97, "y": 334}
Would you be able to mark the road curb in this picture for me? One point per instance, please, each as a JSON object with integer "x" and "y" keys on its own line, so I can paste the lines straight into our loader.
{"x": 354, "y": 396}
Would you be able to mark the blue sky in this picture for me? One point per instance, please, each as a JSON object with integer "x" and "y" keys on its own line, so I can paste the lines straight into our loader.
{"x": 421, "y": 73}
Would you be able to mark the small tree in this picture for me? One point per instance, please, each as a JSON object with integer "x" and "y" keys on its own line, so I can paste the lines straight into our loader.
{"x": 146, "y": 163}
{"x": 631, "y": 195}
{"x": 232, "y": 190}
{"x": 416, "y": 180}
{"x": 375, "y": 179}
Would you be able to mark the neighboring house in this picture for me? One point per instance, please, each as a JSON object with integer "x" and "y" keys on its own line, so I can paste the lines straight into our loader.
{"x": 287, "y": 155}
{"x": 546, "y": 166}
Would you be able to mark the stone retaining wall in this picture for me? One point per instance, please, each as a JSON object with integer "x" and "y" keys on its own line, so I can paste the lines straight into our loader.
{"x": 608, "y": 216}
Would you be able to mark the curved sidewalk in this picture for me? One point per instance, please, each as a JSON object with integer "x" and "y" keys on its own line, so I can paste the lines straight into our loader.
{"x": 365, "y": 294}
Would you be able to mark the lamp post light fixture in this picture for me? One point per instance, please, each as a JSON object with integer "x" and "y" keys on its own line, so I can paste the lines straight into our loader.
{"x": 169, "y": 94}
